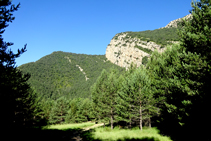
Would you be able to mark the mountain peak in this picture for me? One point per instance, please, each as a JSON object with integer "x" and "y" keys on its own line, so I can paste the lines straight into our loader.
{"x": 174, "y": 23}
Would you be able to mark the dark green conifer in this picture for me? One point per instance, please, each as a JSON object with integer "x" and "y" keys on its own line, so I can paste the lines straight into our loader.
{"x": 17, "y": 98}
{"x": 97, "y": 91}
{"x": 59, "y": 111}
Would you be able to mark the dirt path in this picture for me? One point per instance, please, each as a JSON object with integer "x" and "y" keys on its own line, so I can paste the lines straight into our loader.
{"x": 76, "y": 136}
{"x": 94, "y": 126}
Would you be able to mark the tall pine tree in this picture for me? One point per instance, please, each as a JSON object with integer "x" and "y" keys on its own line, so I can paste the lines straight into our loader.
{"x": 17, "y": 99}
{"x": 59, "y": 111}
{"x": 97, "y": 91}
{"x": 135, "y": 100}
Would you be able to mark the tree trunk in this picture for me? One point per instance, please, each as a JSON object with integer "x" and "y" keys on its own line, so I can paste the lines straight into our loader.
{"x": 112, "y": 122}
{"x": 140, "y": 117}
{"x": 112, "y": 119}
{"x": 149, "y": 122}
{"x": 130, "y": 123}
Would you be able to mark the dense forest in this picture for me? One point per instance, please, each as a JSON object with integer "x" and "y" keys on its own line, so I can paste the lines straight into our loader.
{"x": 171, "y": 91}
{"x": 59, "y": 74}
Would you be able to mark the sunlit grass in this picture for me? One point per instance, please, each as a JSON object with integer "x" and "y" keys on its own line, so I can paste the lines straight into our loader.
{"x": 121, "y": 134}
{"x": 116, "y": 134}
{"x": 69, "y": 126}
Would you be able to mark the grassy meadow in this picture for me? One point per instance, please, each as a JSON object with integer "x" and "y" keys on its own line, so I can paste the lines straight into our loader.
{"x": 106, "y": 134}
{"x": 126, "y": 134}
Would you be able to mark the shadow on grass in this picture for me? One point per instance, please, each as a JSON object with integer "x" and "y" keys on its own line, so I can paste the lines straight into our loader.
{"x": 43, "y": 134}
{"x": 38, "y": 134}
{"x": 142, "y": 139}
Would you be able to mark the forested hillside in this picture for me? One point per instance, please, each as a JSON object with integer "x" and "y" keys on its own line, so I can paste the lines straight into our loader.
{"x": 170, "y": 91}
{"x": 60, "y": 74}
{"x": 159, "y": 36}
{"x": 162, "y": 36}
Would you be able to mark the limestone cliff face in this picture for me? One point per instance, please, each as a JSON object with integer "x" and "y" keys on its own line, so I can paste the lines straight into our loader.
{"x": 123, "y": 50}
{"x": 175, "y": 22}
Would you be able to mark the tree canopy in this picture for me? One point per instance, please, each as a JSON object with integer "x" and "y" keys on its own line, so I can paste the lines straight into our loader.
{"x": 17, "y": 98}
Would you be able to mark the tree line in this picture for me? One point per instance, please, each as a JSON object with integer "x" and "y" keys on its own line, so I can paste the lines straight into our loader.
{"x": 173, "y": 86}
{"x": 58, "y": 74}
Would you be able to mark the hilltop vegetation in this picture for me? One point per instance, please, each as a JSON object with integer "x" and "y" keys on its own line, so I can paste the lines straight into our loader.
{"x": 58, "y": 74}
{"x": 160, "y": 36}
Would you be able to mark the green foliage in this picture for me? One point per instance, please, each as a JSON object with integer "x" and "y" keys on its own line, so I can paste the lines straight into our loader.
{"x": 65, "y": 110}
{"x": 18, "y": 101}
{"x": 59, "y": 110}
{"x": 104, "y": 93}
{"x": 83, "y": 113}
{"x": 179, "y": 81}
{"x": 196, "y": 35}
{"x": 149, "y": 51}
{"x": 193, "y": 95}
{"x": 57, "y": 75}
{"x": 119, "y": 97}
{"x": 159, "y": 36}
{"x": 144, "y": 60}
{"x": 135, "y": 99}
{"x": 97, "y": 91}
{"x": 127, "y": 100}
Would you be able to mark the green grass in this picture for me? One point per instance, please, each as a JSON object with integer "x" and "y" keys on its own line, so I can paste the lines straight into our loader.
{"x": 69, "y": 126}
{"x": 106, "y": 134}
{"x": 126, "y": 134}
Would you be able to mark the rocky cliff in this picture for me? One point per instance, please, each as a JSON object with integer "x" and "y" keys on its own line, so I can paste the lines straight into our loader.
{"x": 124, "y": 50}
{"x": 174, "y": 23}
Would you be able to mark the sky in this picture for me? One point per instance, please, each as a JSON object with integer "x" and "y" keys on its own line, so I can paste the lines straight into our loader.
{"x": 84, "y": 26}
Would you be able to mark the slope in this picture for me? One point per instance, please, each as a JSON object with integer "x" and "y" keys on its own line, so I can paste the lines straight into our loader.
{"x": 65, "y": 74}
{"x": 127, "y": 47}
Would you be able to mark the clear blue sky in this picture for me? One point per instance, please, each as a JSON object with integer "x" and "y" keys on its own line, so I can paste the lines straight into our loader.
{"x": 84, "y": 26}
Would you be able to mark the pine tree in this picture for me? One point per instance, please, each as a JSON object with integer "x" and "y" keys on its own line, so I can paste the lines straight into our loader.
{"x": 177, "y": 77}
{"x": 135, "y": 100}
{"x": 46, "y": 105}
{"x": 127, "y": 106}
{"x": 97, "y": 91}
{"x": 71, "y": 116}
{"x": 17, "y": 99}
{"x": 123, "y": 100}
{"x": 83, "y": 110}
{"x": 109, "y": 97}
{"x": 196, "y": 41}
{"x": 104, "y": 93}
{"x": 59, "y": 111}
{"x": 195, "y": 36}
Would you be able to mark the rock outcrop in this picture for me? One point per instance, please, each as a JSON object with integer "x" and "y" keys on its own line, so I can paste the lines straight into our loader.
{"x": 174, "y": 23}
{"x": 124, "y": 50}
{"x": 82, "y": 72}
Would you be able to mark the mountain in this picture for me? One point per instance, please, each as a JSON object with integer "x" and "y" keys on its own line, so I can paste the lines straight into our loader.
{"x": 136, "y": 47}
{"x": 176, "y": 23}
{"x": 69, "y": 74}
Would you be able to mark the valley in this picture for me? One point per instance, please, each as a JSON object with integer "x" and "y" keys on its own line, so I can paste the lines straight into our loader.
{"x": 150, "y": 85}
